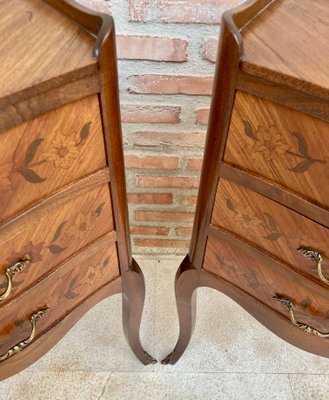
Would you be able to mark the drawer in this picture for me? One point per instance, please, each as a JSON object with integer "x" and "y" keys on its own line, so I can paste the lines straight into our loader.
{"x": 263, "y": 278}
{"x": 283, "y": 145}
{"x": 52, "y": 237}
{"x": 270, "y": 226}
{"x": 61, "y": 292}
{"x": 48, "y": 152}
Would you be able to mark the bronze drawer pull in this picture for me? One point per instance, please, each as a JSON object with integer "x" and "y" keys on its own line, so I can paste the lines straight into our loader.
{"x": 306, "y": 328}
{"x": 21, "y": 345}
{"x": 314, "y": 256}
{"x": 10, "y": 272}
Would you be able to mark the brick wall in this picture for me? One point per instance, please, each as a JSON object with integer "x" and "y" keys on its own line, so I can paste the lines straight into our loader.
{"x": 166, "y": 51}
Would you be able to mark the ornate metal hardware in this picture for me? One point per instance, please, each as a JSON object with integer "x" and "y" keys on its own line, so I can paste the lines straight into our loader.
{"x": 314, "y": 256}
{"x": 306, "y": 328}
{"x": 10, "y": 272}
{"x": 21, "y": 345}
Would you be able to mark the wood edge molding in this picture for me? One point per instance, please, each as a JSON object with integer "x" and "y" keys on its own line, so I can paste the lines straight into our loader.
{"x": 227, "y": 65}
{"x": 271, "y": 319}
{"x": 21, "y": 109}
{"x": 275, "y": 192}
{"x": 252, "y": 250}
{"x": 67, "y": 264}
{"x": 56, "y": 332}
{"x": 285, "y": 95}
{"x": 20, "y": 221}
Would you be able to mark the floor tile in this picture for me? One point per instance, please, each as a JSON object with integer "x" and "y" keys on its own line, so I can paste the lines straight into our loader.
{"x": 226, "y": 338}
{"x": 58, "y": 385}
{"x": 197, "y": 386}
{"x": 308, "y": 386}
{"x": 4, "y": 389}
{"x": 97, "y": 342}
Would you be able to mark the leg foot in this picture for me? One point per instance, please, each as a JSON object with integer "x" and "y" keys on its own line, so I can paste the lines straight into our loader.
{"x": 133, "y": 303}
{"x": 187, "y": 281}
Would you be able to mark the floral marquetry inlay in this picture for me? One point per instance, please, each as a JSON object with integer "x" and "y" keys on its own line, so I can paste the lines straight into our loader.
{"x": 55, "y": 151}
{"x": 281, "y": 145}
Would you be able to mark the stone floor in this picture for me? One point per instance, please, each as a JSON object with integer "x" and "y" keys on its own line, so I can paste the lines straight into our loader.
{"x": 231, "y": 356}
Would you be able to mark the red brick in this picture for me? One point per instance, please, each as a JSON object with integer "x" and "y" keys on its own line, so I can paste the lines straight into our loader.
{"x": 209, "y": 51}
{"x": 165, "y": 243}
{"x": 149, "y": 230}
{"x": 164, "y": 216}
{"x": 171, "y": 84}
{"x": 194, "y": 164}
{"x": 179, "y": 182}
{"x": 150, "y": 198}
{"x": 150, "y": 114}
{"x": 191, "y": 200}
{"x": 180, "y": 11}
{"x": 184, "y": 231}
{"x": 152, "y": 48}
{"x": 151, "y": 162}
{"x": 183, "y": 139}
{"x": 96, "y": 5}
{"x": 202, "y": 116}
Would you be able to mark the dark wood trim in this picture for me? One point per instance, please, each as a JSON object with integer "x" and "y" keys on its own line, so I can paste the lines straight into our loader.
{"x": 82, "y": 186}
{"x": 55, "y": 333}
{"x": 275, "y": 192}
{"x": 26, "y": 107}
{"x": 102, "y": 26}
{"x": 229, "y": 54}
{"x": 285, "y": 95}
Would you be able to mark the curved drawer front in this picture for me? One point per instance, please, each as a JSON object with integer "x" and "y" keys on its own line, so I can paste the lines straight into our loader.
{"x": 280, "y": 144}
{"x": 53, "y": 236}
{"x": 61, "y": 292}
{"x": 48, "y": 152}
{"x": 263, "y": 278}
{"x": 271, "y": 226}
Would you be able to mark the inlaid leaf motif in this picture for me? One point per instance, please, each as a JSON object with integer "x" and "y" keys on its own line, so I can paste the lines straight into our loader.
{"x": 58, "y": 232}
{"x": 302, "y": 145}
{"x": 248, "y": 130}
{"x": 84, "y": 133}
{"x": 302, "y": 166}
{"x": 254, "y": 284}
{"x": 273, "y": 236}
{"x": 105, "y": 263}
{"x": 31, "y": 151}
{"x": 230, "y": 205}
{"x": 271, "y": 221}
{"x": 99, "y": 209}
{"x": 30, "y": 175}
{"x": 70, "y": 294}
{"x": 55, "y": 249}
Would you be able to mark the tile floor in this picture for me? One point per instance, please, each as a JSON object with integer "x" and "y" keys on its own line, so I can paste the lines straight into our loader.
{"x": 231, "y": 356}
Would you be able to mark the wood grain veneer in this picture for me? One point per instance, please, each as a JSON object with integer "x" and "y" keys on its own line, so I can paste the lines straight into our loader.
{"x": 263, "y": 189}
{"x": 63, "y": 197}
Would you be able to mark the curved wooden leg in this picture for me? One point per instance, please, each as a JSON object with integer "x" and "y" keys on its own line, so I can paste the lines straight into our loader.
{"x": 133, "y": 303}
{"x": 187, "y": 281}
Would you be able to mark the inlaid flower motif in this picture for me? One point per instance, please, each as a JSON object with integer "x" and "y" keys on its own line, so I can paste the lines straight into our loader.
{"x": 269, "y": 142}
{"x": 82, "y": 225}
{"x": 33, "y": 251}
{"x": 247, "y": 218}
{"x": 5, "y": 177}
{"x": 62, "y": 151}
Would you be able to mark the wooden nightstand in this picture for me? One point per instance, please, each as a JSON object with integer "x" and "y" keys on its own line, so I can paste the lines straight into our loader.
{"x": 261, "y": 228}
{"x": 64, "y": 232}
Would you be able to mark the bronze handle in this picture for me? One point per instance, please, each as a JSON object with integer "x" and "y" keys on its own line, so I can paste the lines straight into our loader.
{"x": 306, "y": 328}
{"x": 21, "y": 345}
{"x": 314, "y": 256}
{"x": 10, "y": 272}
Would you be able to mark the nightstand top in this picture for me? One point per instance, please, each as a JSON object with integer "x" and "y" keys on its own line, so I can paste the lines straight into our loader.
{"x": 40, "y": 47}
{"x": 288, "y": 43}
